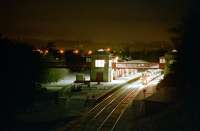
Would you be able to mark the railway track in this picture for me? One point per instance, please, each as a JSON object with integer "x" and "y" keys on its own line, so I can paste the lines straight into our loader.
{"x": 111, "y": 120}
{"x": 105, "y": 115}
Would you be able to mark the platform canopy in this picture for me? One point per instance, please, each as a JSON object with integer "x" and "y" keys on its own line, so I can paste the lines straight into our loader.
{"x": 136, "y": 64}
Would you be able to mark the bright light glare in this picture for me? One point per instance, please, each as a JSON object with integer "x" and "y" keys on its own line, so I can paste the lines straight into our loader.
{"x": 135, "y": 85}
{"x": 100, "y": 50}
{"x": 39, "y": 50}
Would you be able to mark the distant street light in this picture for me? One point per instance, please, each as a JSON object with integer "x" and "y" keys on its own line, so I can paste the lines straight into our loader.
{"x": 61, "y": 51}
{"x": 89, "y": 52}
{"x": 76, "y": 51}
{"x": 46, "y": 52}
{"x": 108, "y": 49}
{"x": 116, "y": 59}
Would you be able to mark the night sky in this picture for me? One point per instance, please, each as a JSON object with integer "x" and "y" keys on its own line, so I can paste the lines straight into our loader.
{"x": 107, "y": 21}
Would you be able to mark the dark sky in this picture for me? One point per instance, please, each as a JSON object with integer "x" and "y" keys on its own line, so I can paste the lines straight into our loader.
{"x": 111, "y": 21}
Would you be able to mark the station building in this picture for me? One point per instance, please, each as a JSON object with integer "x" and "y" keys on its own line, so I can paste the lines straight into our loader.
{"x": 101, "y": 66}
{"x": 105, "y": 67}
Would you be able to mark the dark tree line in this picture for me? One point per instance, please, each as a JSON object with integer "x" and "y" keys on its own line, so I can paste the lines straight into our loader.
{"x": 20, "y": 71}
{"x": 191, "y": 60}
{"x": 187, "y": 67}
{"x": 75, "y": 61}
{"x": 150, "y": 55}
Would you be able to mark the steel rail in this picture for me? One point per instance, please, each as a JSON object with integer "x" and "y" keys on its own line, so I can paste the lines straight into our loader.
{"x": 130, "y": 93}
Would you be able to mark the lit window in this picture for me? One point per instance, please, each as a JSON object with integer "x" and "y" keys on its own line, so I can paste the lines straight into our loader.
{"x": 88, "y": 59}
{"x": 162, "y": 60}
{"x": 99, "y": 63}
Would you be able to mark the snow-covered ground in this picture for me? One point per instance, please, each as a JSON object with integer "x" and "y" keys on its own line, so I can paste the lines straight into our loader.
{"x": 71, "y": 103}
{"x": 66, "y": 81}
{"x": 96, "y": 90}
